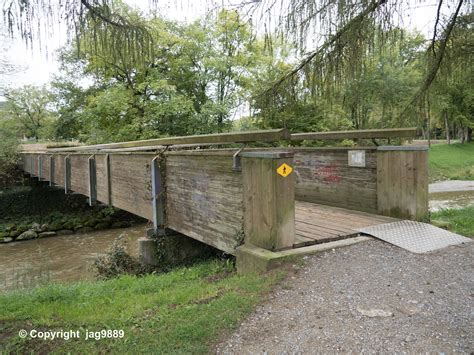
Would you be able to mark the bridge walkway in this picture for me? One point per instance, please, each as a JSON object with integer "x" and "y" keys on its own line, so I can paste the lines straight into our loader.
{"x": 316, "y": 223}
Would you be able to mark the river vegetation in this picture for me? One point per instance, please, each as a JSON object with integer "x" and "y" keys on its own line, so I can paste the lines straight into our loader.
{"x": 183, "y": 311}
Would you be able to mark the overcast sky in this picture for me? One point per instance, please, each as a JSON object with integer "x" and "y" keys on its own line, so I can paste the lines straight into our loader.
{"x": 36, "y": 67}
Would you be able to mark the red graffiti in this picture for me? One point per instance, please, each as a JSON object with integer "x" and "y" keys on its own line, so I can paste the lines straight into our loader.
{"x": 329, "y": 174}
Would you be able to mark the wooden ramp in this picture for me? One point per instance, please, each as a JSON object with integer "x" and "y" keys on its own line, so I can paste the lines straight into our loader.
{"x": 320, "y": 223}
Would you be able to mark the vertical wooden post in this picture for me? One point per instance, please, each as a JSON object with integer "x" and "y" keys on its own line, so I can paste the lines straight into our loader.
{"x": 108, "y": 179}
{"x": 51, "y": 170}
{"x": 67, "y": 174}
{"x": 92, "y": 181}
{"x": 27, "y": 165}
{"x": 269, "y": 200}
{"x": 40, "y": 167}
{"x": 157, "y": 194}
{"x": 32, "y": 165}
{"x": 402, "y": 181}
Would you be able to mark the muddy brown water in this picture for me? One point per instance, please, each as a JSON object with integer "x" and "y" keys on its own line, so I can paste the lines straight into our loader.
{"x": 27, "y": 264}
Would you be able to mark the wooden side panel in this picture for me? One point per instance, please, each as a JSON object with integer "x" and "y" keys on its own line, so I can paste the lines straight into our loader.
{"x": 45, "y": 163}
{"x": 80, "y": 174}
{"x": 101, "y": 170}
{"x": 35, "y": 164}
{"x": 59, "y": 167}
{"x": 131, "y": 183}
{"x": 204, "y": 199}
{"x": 26, "y": 163}
{"x": 402, "y": 183}
{"x": 325, "y": 177}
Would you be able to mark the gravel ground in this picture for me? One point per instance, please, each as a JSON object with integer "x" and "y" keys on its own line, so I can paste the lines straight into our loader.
{"x": 370, "y": 297}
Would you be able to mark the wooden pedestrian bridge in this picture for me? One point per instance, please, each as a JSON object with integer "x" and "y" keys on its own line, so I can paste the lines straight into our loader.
{"x": 267, "y": 201}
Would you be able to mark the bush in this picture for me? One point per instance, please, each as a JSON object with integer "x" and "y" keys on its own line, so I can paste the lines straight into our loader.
{"x": 9, "y": 157}
{"x": 118, "y": 262}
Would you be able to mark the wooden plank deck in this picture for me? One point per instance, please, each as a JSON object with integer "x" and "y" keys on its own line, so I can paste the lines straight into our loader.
{"x": 316, "y": 223}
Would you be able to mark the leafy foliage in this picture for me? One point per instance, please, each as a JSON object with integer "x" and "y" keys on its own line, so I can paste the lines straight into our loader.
{"x": 8, "y": 155}
{"x": 29, "y": 107}
{"x": 200, "y": 75}
{"x": 126, "y": 76}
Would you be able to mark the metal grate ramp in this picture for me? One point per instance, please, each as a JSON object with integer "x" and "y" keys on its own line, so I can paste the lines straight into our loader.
{"x": 414, "y": 236}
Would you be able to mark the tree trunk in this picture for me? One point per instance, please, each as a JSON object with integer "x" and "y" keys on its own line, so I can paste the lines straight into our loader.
{"x": 461, "y": 133}
{"x": 469, "y": 134}
{"x": 428, "y": 115}
{"x": 446, "y": 123}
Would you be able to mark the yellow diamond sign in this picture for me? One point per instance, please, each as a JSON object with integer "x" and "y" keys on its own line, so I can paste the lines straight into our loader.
{"x": 284, "y": 170}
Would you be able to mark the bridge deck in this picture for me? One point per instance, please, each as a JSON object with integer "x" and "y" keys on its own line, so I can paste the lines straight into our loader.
{"x": 320, "y": 223}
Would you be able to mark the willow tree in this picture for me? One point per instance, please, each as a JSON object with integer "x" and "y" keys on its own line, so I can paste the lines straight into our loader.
{"x": 333, "y": 36}
{"x": 345, "y": 33}
{"x": 104, "y": 20}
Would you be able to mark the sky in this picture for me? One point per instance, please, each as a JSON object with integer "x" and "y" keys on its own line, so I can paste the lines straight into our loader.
{"x": 36, "y": 67}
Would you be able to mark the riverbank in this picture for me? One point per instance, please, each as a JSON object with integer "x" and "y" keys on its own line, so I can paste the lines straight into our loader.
{"x": 31, "y": 212}
{"x": 183, "y": 311}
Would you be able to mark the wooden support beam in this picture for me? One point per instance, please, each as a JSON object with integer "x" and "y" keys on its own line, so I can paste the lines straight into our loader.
{"x": 358, "y": 134}
{"x": 269, "y": 200}
{"x": 28, "y": 164}
{"x": 51, "y": 170}
{"x": 92, "y": 181}
{"x": 67, "y": 174}
{"x": 108, "y": 179}
{"x": 272, "y": 135}
{"x": 40, "y": 167}
{"x": 32, "y": 166}
{"x": 157, "y": 195}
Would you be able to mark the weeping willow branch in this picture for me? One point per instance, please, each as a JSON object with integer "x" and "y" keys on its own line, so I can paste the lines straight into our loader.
{"x": 328, "y": 44}
{"x": 435, "y": 63}
{"x": 435, "y": 30}
{"x": 110, "y": 24}
{"x": 104, "y": 14}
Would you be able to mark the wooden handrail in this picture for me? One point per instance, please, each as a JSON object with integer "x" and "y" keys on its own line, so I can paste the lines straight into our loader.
{"x": 354, "y": 134}
{"x": 272, "y": 135}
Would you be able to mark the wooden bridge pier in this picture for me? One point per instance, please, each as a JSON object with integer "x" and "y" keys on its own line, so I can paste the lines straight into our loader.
{"x": 258, "y": 213}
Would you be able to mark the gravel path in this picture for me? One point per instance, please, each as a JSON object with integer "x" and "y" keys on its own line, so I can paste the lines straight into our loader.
{"x": 370, "y": 297}
{"x": 451, "y": 186}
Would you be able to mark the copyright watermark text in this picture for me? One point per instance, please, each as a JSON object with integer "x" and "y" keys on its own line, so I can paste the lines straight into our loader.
{"x": 72, "y": 334}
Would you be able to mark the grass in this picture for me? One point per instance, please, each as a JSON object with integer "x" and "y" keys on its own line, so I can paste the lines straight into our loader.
{"x": 451, "y": 162}
{"x": 183, "y": 311}
{"x": 460, "y": 221}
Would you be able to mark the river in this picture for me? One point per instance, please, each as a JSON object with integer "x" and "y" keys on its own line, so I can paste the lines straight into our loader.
{"x": 451, "y": 194}
{"x": 63, "y": 258}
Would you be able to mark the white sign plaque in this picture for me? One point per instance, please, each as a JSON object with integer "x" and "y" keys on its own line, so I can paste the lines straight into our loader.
{"x": 356, "y": 158}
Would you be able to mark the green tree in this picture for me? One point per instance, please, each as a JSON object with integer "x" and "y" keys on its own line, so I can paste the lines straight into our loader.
{"x": 30, "y": 106}
{"x": 200, "y": 73}
{"x": 8, "y": 148}
{"x": 452, "y": 95}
